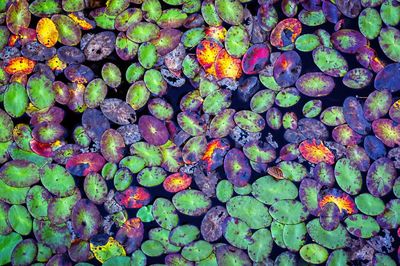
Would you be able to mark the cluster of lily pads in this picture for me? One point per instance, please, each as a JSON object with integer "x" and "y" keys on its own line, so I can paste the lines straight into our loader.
{"x": 283, "y": 149}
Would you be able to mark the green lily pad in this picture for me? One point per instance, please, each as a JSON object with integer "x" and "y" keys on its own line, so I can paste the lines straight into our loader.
{"x": 57, "y": 180}
{"x": 370, "y": 23}
{"x": 20, "y": 219}
{"x": 230, "y": 11}
{"x": 19, "y": 173}
{"x": 142, "y": 32}
{"x": 390, "y": 12}
{"x": 164, "y": 213}
{"x": 184, "y": 234}
{"x": 338, "y": 257}
{"x": 95, "y": 188}
{"x": 268, "y": 190}
{"x": 294, "y": 236}
{"x": 334, "y": 239}
{"x": 314, "y": 253}
{"x": 348, "y": 176}
{"x": 288, "y": 211}
{"x": 15, "y": 100}
{"x": 261, "y": 247}
{"x": 390, "y": 218}
{"x": 249, "y": 210}
{"x": 237, "y": 41}
{"x": 361, "y": 225}
{"x": 389, "y": 42}
{"x": 162, "y": 235}
{"x": 307, "y": 42}
{"x": 152, "y": 248}
{"x": 330, "y": 61}
{"x": 7, "y": 126}
{"x": 293, "y": 171}
{"x": 40, "y": 91}
{"x": 237, "y": 232}
{"x": 249, "y": 121}
{"x": 369, "y": 204}
{"x": 151, "y": 176}
{"x": 224, "y": 190}
{"x": 37, "y": 201}
{"x": 7, "y": 244}
{"x": 12, "y": 195}
{"x": 191, "y": 202}
{"x": 197, "y": 251}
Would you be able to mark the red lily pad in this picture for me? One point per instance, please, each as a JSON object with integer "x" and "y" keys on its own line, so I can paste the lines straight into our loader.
{"x": 215, "y": 152}
{"x": 255, "y": 59}
{"x": 85, "y": 163}
{"x": 177, "y": 182}
{"x": 19, "y": 65}
{"x": 133, "y": 197}
{"x": 207, "y": 51}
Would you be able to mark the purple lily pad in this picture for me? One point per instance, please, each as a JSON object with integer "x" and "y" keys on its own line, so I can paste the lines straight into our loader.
{"x": 354, "y": 116}
{"x": 308, "y": 194}
{"x": 86, "y": 219}
{"x": 237, "y": 167}
{"x": 287, "y": 68}
{"x": 330, "y": 216}
{"x": 388, "y": 78}
{"x": 153, "y": 130}
{"x": 211, "y": 225}
{"x": 348, "y": 41}
{"x": 380, "y": 177}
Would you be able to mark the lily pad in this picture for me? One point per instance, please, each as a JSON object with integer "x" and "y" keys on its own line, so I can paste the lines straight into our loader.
{"x": 191, "y": 202}
{"x": 288, "y": 211}
{"x": 362, "y": 225}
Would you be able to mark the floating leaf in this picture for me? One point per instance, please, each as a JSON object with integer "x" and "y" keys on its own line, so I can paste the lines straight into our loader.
{"x": 316, "y": 153}
{"x": 334, "y": 239}
{"x": 362, "y": 225}
{"x": 330, "y": 61}
{"x": 342, "y": 200}
{"x": 380, "y": 177}
{"x": 315, "y": 84}
{"x": 314, "y": 253}
{"x": 288, "y": 211}
{"x": 191, "y": 202}
{"x": 237, "y": 167}
{"x": 388, "y": 41}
